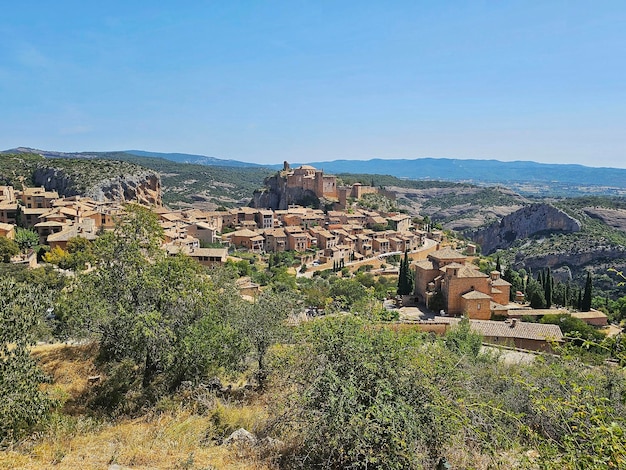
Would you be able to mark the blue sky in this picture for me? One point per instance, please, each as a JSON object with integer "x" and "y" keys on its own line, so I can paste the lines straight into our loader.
{"x": 267, "y": 81}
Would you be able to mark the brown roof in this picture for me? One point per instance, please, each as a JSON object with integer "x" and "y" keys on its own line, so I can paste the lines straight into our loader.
{"x": 511, "y": 329}
{"x": 425, "y": 265}
{"x": 588, "y": 315}
{"x": 446, "y": 253}
{"x": 468, "y": 271}
{"x": 243, "y": 233}
{"x": 475, "y": 295}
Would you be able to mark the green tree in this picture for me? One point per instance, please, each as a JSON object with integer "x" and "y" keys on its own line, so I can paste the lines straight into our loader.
{"x": 264, "y": 324}
{"x": 23, "y": 402}
{"x": 8, "y": 248}
{"x": 535, "y": 294}
{"x": 517, "y": 282}
{"x": 585, "y": 304}
{"x": 548, "y": 287}
{"x": 405, "y": 277}
{"x": 26, "y": 238}
{"x": 163, "y": 315}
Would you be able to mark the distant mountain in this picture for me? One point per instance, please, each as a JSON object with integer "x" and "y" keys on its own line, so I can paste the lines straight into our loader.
{"x": 523, "y": 176}
{"x": 195, "y": 159}
{"x": 174, "y": 157}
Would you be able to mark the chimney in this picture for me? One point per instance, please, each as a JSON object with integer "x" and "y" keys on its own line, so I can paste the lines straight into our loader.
{"x": 513, "y": 323}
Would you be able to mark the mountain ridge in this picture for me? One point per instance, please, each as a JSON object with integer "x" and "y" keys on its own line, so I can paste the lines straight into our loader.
{"x": 524, "y": 177}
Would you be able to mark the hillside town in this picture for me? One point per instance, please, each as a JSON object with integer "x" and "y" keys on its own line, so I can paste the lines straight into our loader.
{"x": 320, "y": 239}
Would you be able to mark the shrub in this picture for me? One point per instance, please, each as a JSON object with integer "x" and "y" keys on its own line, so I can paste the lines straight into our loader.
{"x": 23, "y": 404}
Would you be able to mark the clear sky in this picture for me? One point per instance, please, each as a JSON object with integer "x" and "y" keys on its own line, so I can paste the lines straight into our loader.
{"x": 265, "y": 81}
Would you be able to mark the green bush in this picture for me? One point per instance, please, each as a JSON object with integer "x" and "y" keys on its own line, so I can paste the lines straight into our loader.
{"x": 23, "y": 404}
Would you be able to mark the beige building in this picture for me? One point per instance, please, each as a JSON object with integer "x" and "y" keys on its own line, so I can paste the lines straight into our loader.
{"x": 464, "y": 288}
{"x": 37, "y": 197}
{"x": 7, "y": 230}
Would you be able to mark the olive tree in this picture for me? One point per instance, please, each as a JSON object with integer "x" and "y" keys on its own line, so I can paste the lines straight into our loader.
{"x": 23, "y": 403}
{"x": 158, "y": 317}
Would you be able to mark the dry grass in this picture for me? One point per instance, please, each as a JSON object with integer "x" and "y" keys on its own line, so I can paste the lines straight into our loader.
{"x": 177, "y": 438}
{"x": 70, "y": 368}
{"x": 172, "y": 440}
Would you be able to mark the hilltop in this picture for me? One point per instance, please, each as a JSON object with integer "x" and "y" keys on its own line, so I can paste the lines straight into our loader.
{"x": 96, "y": 178}
{"x": 183, "y": 184}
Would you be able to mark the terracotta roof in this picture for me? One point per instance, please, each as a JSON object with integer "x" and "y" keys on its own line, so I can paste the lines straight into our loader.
{"x": 453, "y": 265}
{"x": 468, "y": 271}
{"x": 50, "y": 223}
{"x": 511, "y": 329}
{"x": 243, "y": 233}
{"x": 275, "y": 232}
{"x": 205, "y": 225}
{"x": 425, "y": 265}
{"x": 446, "y": 253}
{"x": 475, "y": 295}
{"x": 588, "y": 315}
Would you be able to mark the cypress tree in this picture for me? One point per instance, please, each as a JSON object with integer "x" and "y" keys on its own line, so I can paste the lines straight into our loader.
{"x": 498, "y": 266}
{"x": 401, "y": 279}
{"x": 585, "y": 304}
{"x": 548, "y": 286}
{"x": 405, "y": 276}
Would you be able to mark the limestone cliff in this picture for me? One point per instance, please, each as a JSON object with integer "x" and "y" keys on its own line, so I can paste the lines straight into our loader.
{"x": 523, "y": 223}
{"x": 277, "y": 196}
{"x": 140, "y": 185}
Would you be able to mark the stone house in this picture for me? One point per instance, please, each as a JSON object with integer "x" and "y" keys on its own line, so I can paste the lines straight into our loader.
{"x": 463, "y": 287}
{"x": 297, "y": 239}
{"x": 37, "y": 198}
{"x": 7, "y": 230}
{"x": 85, "y": 229}
{"x": 400, "y": 222}
{"x": 275, "y": 240}
{"x": 203, "y": 231}
{"x": 7, "y": 194}
{"x": 265, "y": 218}
{"x": 246, "y": 238}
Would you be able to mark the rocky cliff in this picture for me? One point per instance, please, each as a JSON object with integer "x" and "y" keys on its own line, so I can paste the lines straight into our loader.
{"x": 140, "y": 185}
{"x": 277, "y": 196}
{"x": 523, "y": 223}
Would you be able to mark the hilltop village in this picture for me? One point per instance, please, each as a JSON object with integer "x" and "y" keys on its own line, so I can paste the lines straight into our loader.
{"x": 345, "y": 236}
{"x": 337, "y": 294}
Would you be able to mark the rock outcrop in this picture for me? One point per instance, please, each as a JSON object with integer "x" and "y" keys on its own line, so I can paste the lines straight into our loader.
{"x": 278, "y": 196}
{"x": 143, "y": 187}
{"x": 576, "y": 259}
{"x": 529, "y": 220}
